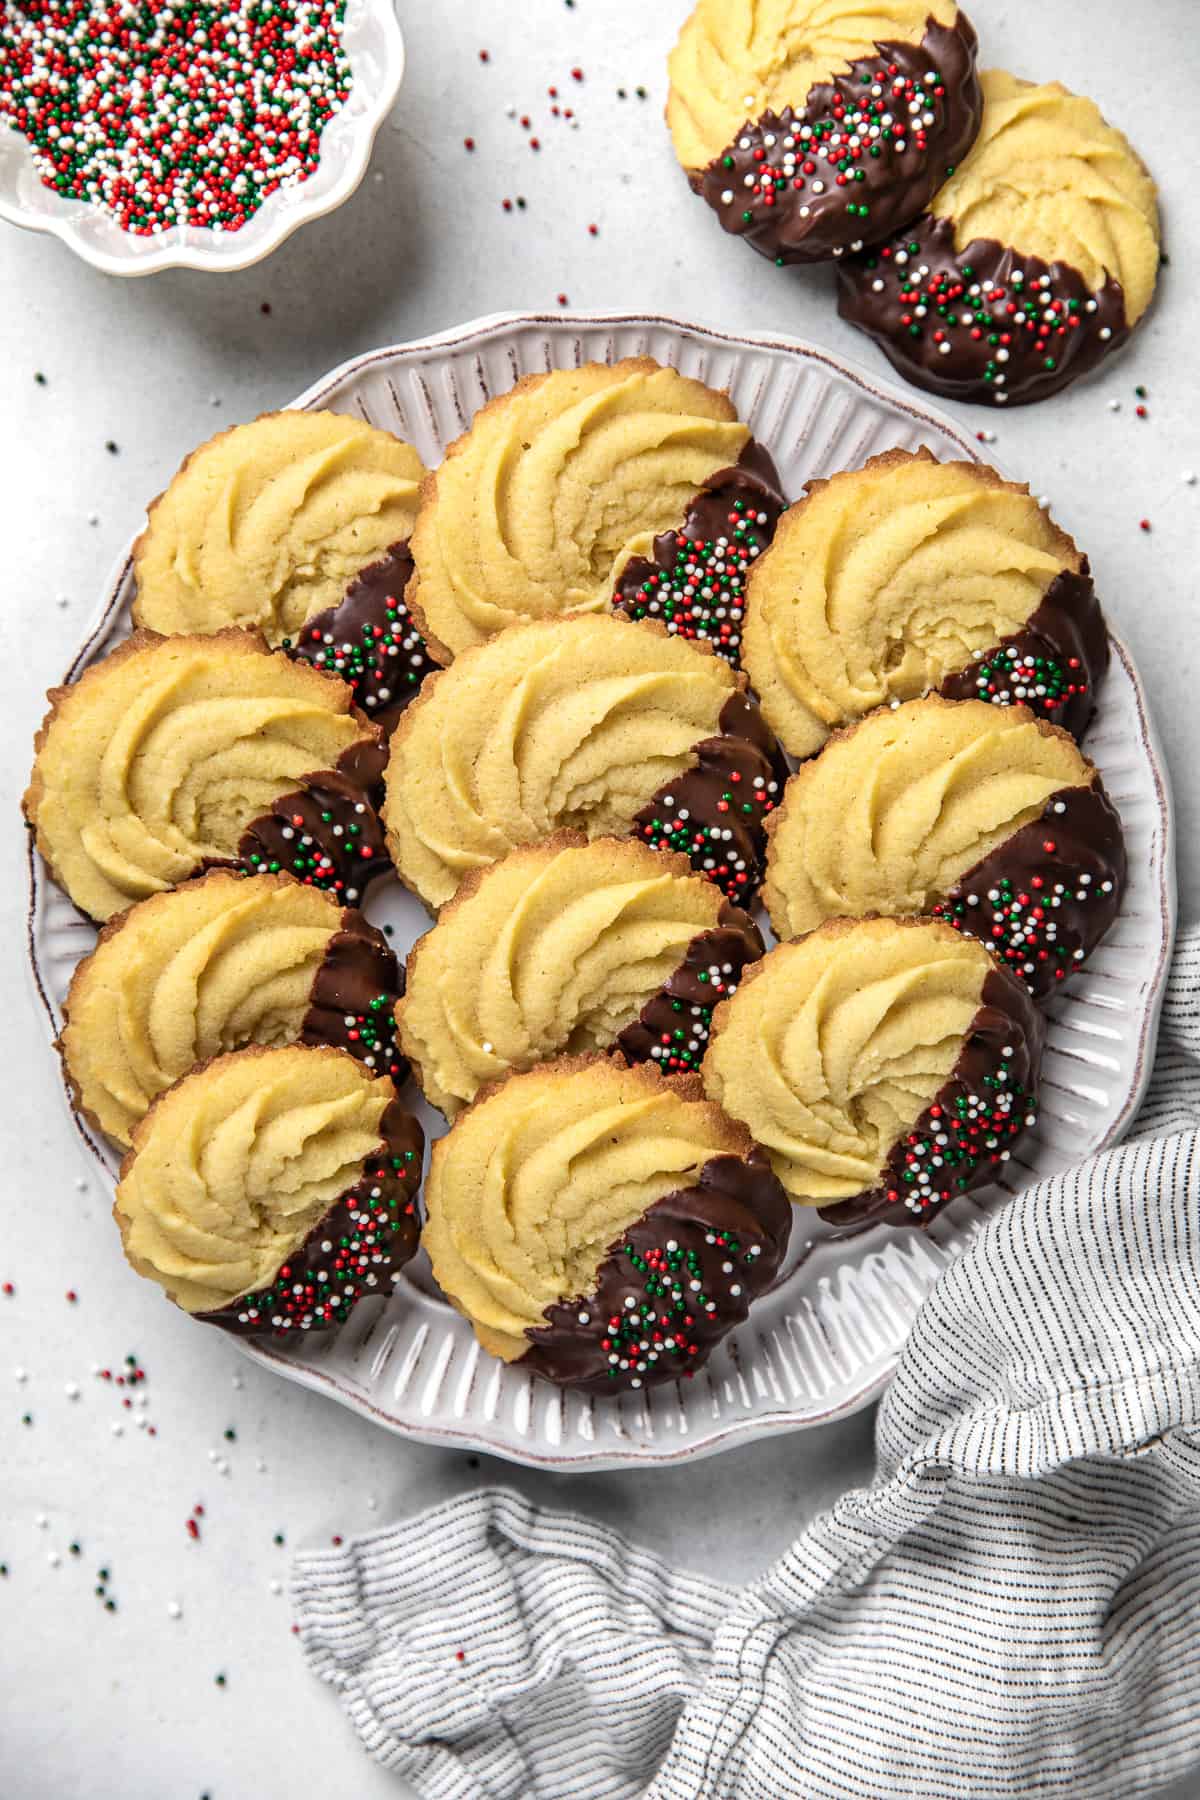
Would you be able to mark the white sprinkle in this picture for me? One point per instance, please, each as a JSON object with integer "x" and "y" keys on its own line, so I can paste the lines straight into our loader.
{"x": 72, "y": 1390}
{"x": 174, "y": 1610}
{"x": 54, "y": 1559}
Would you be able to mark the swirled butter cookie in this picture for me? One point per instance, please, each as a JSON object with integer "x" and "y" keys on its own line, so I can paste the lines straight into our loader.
{"x": 988, "y": 818}
{"x": 215, "y": 965}
{"x": 627, "y": 486}
{"x": 1036, "y": 258}
{"x": 296, "y": 524}
{"x": 600, "y": 1225}
{"x": 909, "y": 576}
{"x": 813, "y": 127}
{"x": 564, "y": 947}
{"x": 273, "y": 1189}
{"x": 174, "y": 753}
{"x": 582, "y": 725}
{"x": 884, "y": 1065}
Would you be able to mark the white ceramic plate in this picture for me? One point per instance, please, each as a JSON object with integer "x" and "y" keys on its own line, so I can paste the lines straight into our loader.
{"x": 824, "y": 1341}
{"x": 375, "y": 48}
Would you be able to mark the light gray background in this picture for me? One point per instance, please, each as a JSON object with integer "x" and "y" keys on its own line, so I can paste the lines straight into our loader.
{"x": 124, "y": 1706}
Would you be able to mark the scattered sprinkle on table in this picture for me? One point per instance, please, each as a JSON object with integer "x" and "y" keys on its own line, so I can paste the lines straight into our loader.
{"x": 173, "y": 112}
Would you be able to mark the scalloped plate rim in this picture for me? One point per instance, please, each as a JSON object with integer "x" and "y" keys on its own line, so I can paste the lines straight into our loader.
{"x": 720, "y": 1435}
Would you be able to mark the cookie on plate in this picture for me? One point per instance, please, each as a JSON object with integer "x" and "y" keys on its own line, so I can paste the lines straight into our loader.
{"x": 813, "y": 127}
{"x": 572, "y": 493}
{"x": 584, "y": 724}
{"x": 909, "y": 576}
{"x": 296, "y": 524}
{"x": 987, "y": 817}
{"x": 600, "y": 1225}
{"x": 1035, "y": 260}
{"x": 273, "y": 1189}
{"x": 210, "y": 967}
{"x": 885, "y": 1066}
{"x": 175, "y": 753}
{"x": 570, "y": 946}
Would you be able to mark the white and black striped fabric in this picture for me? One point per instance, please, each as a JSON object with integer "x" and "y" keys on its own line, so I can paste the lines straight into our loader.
{"x": 1011, "y": 1609}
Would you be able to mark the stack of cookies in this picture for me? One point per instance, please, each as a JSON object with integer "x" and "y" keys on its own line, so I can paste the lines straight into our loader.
{"x": 597, "y": 696}
{"x": 996, "y": 237}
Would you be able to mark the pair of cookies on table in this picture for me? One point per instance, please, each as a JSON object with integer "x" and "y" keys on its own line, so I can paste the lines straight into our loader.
{"x": 997, "y": 237}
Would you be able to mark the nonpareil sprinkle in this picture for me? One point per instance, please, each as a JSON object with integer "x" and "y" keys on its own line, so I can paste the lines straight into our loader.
{"x": 172, "y": 112}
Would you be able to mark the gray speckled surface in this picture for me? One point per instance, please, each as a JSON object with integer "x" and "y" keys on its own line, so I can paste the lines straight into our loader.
{"x": 125, "y": 1704}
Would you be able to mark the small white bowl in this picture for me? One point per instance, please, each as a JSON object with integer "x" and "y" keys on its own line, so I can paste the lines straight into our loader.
{"x": 375, "y": 48}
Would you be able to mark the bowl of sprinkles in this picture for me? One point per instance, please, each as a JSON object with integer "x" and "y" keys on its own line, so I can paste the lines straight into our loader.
{"x": 158, "y": 134}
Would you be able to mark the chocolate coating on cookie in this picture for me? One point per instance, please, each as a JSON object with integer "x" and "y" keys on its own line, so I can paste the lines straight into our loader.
{"x": 353, "y": 1000}
{"x": 672, "y": 1028}
{"x": 962, "y": 1140}
{"x": 355, "y": 1251}
{"x": 728, "y": 1233}
{"x": 865, "y": 153}
{"x": 997, "y": 326}
{"x": 327, "y": 833}
{"x": 695, "y": 582}
{"x": 1053, "y": 665}
{"x": 370, "y": 640}
{"x": 715, "y": 812}
{"x": 1045, "y": 897}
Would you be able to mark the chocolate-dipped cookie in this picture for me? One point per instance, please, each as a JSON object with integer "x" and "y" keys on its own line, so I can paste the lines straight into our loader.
{"x": 910, "y": 576}
{"x": 583, "y": 724}
{"x": 694, "y": 578}
{"x": 601, "y": 1226}
{"x": 812, "y": 128}
{"x": 296, "y": 524}
{"x": 986, "y": 817}
{"x": 564, "y": 495}
{"x": 210, "y": 967}
{"x": 174, "y": 754}
{"x": 884, "y": 1065}
{"x": 1034, "y": 262}
{"x": 271, "y": 1190}
{"x": 570, "y": 946}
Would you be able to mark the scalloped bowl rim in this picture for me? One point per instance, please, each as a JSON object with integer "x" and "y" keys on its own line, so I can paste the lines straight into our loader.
{"x": 292, "y": 212}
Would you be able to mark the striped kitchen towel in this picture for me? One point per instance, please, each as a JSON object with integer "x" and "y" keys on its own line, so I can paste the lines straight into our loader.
{"x": 1011, "y": 1609}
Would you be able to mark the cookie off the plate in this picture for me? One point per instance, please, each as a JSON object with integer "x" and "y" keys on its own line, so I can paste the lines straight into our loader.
{"x": 813, "y": 127}
{"x": 1035, "y": 260}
